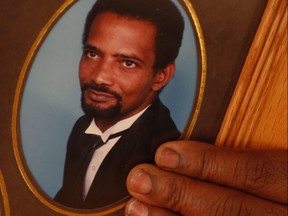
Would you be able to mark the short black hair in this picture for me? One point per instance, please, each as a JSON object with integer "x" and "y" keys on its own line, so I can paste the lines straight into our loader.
{"x": 163, "y": 14}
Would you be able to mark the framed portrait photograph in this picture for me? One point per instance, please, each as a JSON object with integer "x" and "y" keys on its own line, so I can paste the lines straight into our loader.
{"x": 90, "y": 89}
{"x": 48, "y": 100}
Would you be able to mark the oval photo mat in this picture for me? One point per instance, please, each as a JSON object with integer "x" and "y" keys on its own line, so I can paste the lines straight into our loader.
{"x": 28, "y": 152}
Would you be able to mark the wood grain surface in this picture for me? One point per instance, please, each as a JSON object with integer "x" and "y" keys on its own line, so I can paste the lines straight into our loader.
{"x": 257, "y": 114}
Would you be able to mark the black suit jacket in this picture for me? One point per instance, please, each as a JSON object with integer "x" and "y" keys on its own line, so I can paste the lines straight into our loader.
{"x": 138, "y": 145}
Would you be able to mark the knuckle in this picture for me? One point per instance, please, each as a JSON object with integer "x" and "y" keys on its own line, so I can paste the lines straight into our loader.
{"x": 231, "y": 204}
{"x": 175, "y": 195}
{"x": 237, "y": 203}
{"x": 259, "y": 174}
{"x": 207, "y": 164}
{"x": 178, "y": 194}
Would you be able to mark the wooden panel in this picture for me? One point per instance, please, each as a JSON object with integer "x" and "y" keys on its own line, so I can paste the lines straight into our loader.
{"x": 257, "y": 114}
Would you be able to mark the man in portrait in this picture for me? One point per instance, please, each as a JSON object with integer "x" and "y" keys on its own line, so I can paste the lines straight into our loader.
{"x": 129, "y": 52}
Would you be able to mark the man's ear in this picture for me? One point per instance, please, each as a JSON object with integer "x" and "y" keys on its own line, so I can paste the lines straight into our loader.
{"x": 163, "y": 76}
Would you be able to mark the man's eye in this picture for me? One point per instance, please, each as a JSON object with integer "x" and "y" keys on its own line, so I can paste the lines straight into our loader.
{"x": 129, "y": 64}
{"x": 91, "y": 55}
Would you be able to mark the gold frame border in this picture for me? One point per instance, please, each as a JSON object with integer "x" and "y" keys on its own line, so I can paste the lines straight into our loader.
{"x": 4, "y": 194}
{"x": 203, "y": 68}
{"x": 185, "y": 135}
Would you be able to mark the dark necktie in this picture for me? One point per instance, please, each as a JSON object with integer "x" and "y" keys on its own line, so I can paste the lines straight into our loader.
{"x": 97, "y": 143}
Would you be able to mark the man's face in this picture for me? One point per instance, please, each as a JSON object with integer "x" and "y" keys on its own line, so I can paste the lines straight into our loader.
{"x": 116, "y": 69}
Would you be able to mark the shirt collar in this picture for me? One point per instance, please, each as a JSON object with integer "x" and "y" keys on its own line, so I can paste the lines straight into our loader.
{"x": 118, "y": 127}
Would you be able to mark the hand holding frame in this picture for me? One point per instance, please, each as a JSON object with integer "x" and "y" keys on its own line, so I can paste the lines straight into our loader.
{"x": 193, "y": 178}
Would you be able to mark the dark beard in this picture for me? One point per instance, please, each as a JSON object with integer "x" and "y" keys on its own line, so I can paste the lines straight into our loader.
{"x": 98, "y": 113}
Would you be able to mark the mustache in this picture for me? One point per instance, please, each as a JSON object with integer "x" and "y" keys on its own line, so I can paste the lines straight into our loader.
{"x": 100, "y": 88}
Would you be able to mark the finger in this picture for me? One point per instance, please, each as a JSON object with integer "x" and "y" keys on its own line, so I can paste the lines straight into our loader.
{"x": 186, "y": 196}
{"x": 263, "y": 173}
{"x": 137, "y": 208}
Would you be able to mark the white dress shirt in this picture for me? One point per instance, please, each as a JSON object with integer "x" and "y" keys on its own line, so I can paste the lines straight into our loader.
{"x": 101, "y": 152}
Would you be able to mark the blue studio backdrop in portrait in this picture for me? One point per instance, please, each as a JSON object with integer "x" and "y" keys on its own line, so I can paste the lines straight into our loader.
{"x": 51, "y": 97}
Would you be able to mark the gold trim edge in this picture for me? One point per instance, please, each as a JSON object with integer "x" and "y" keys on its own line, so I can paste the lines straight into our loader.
{"x": 203, "y": 68}
{"x": 187, "y": 132}
{"x": 4, "y": 194}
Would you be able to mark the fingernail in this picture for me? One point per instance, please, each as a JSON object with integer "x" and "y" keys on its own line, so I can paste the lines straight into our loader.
{"x": 140, "y": 182}
{"x": 136, "y": 208}
{"x": 168, "y": 158}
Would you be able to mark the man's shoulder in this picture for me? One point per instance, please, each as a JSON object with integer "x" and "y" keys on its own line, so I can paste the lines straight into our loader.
{"x": 82, "y": 123}
{"x": 160, "y": 115}
{"x": 156, "y": 121}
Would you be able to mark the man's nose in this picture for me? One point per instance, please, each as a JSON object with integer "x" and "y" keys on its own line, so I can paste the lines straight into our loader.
{"x": 103, "y": 73}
